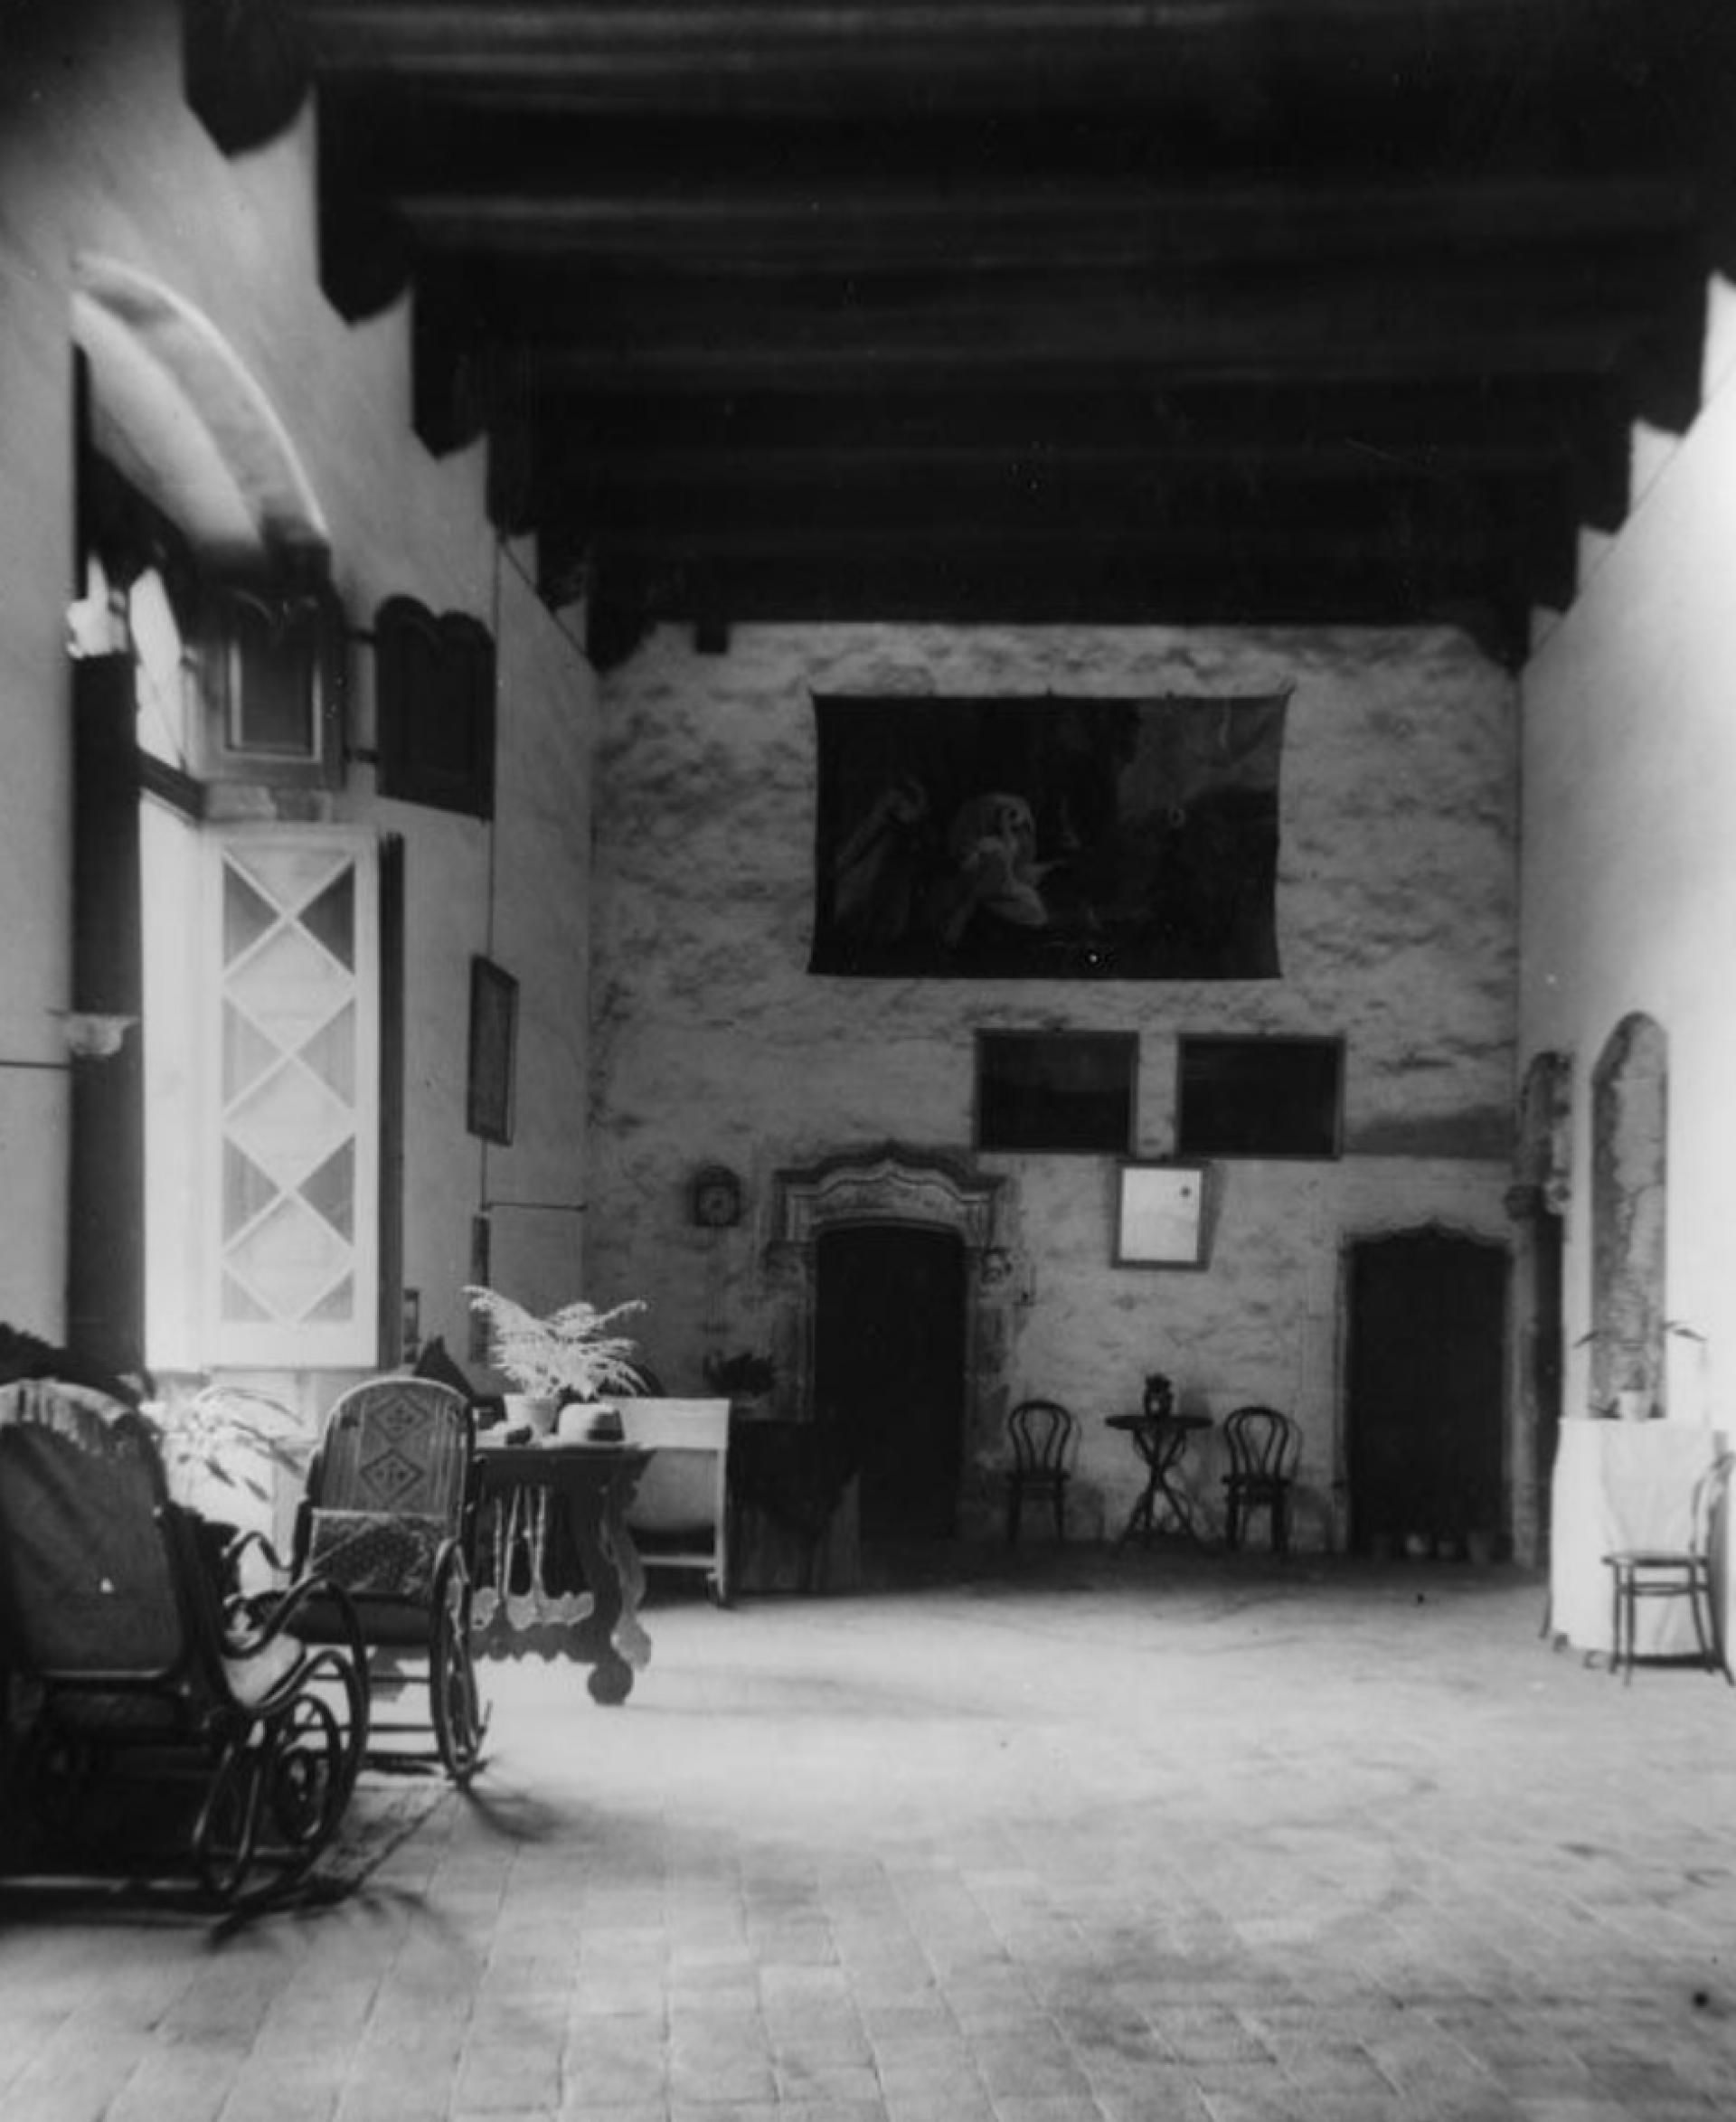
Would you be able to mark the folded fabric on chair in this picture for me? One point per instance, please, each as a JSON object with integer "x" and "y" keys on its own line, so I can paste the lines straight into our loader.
{"x": 389, "y": 1556}
{"x": 435, "y": 1361}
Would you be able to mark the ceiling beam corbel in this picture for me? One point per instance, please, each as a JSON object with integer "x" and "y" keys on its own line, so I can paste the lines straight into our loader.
{"x": 245, "y": 68}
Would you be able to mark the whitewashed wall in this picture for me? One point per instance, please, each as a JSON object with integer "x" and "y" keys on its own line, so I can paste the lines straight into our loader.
{"x": 1630, "y": 880}
{"x": 98, "y": 155}
{"x": 711, "y": 1041}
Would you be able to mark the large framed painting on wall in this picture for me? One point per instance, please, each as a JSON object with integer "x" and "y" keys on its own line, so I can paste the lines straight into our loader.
{"x": 1042, "y": 839}
{"x": 1276, "y": 1096}
{"x": 1056, "y": 1090}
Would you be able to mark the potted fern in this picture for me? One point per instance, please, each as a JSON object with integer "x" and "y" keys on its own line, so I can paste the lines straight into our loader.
{"x": 572, "y": 1354}
{"x": 225, "y": 1441}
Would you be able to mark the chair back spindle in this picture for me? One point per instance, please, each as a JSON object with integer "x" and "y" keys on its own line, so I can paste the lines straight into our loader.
{"x": 1043, "y": 1435}
{"x": 1265, "y": 1448}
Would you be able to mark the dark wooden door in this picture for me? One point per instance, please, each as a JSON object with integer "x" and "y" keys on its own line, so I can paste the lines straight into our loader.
{"x": 1428, "y": 1320}
{"x": 889, "y": 1362}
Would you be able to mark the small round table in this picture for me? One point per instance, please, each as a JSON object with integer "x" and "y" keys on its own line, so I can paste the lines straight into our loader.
{"x": 1161, "y": 1442}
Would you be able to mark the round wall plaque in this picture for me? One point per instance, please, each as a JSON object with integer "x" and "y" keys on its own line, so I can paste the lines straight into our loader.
{"x": 717, "y": 1198}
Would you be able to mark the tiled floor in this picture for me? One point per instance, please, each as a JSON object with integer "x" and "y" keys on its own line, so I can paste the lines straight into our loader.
{"x": 1114, "y": 1841}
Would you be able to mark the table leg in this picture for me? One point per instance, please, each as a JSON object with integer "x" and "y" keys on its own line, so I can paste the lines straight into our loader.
{"x": 1162, "y": 1453}
{"x": 1140, "y": 1525}
{"x": 1181, "y": 1508}
{"x": 599, "y": 1626}
{"x": 610, "y": 1638}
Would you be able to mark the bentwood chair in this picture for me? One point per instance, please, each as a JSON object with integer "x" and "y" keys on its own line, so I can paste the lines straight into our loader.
{"x": 1644, "y": 1574}
{"x": 171, "y": 1726}
{"x": 388, "y": 1513}
{"x": 1264, "y": 1447}
{"x": 1043, "y": 1438}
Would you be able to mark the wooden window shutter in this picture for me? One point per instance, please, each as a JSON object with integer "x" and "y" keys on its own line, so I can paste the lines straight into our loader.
{"x": 435, "y": 689}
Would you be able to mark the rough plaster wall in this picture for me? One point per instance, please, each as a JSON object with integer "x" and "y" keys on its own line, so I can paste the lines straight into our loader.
{"x": 710, "y": 1042}
{"x": 98, "y": 155}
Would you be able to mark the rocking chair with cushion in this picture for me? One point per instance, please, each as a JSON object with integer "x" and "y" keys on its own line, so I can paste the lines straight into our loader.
{"x": 390, "y": 1515}
{"x": 151, "y": 1695}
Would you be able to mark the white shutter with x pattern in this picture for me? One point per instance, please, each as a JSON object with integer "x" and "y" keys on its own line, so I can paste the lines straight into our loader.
{"x": 294, "y": 1258}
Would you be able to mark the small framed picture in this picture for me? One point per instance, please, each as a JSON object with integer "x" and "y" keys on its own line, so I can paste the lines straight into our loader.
{"x": 494, "y": 1040}
{"x": 1160, "y": 1216}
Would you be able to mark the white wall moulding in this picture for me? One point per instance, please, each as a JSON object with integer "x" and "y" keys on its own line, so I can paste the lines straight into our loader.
{"x": 178, "y": 410}
{"x": 885, "y": 1185}
{"x": 91, "y": 1035}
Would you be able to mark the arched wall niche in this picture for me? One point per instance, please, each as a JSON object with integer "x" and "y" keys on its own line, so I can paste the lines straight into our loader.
{"x": 175, "y": 410}
{"x": 890, "y": 1185}
{"x": 1629, "y": 1180}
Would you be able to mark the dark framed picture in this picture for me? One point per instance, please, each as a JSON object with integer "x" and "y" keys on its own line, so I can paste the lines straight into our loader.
{"x": 494, "y": 1041}
{"x": 1160, "y": 1216}
{"x": 1057, "y": 1090}
{"x": 1280, "y": 1096}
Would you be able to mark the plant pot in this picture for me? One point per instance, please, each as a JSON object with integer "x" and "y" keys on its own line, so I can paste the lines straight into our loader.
{"x": 589, "y": 1421}
{"x": 540, "y": 1412}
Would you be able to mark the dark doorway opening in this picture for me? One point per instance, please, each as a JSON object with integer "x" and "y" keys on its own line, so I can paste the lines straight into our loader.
{"x": 1428, "y": 1321}
{"x": 889, "y": 1363}
{"x": 1544, "y": 1380}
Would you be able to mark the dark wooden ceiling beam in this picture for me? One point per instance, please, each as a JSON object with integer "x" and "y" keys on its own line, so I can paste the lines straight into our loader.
{"x": 844, "y": 465}
{"x": 886, "y": 231}
{"x": 1552, "y": 412}
{"x": 802, "y": 54}
{"x": 1143, "y": 309}
{"x": 1356, "y": 341}
{"x": 943, "y": 547}
{"x": 1127, "y": 588}
{"x": 1444, "y": 310}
